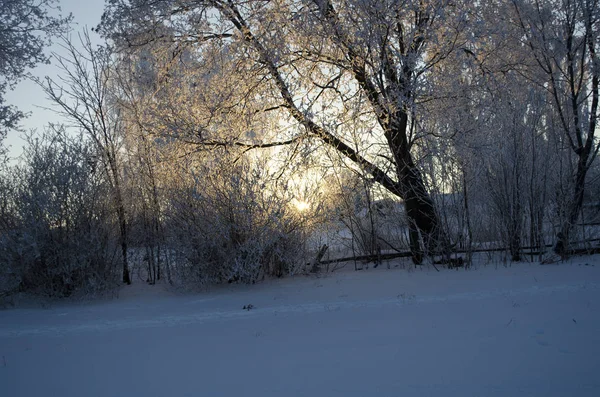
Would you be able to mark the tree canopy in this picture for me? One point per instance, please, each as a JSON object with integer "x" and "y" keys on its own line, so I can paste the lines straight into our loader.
{"x": 26, "y": 28}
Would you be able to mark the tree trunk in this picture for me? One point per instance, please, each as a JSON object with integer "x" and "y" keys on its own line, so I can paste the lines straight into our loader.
{"x": 421, "y": 213}
{"x": 468, "y": 245}
{"x": 123, "y": 229}
{"x": 414, "y": 243}
{"x": 122, "y": 220}
{"x": 562, "y": 238}
{"x": 515, "y": 242}
{"x": 419, "y": 206}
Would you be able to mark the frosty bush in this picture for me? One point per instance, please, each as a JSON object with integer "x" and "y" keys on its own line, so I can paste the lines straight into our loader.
{"x": 59, "y": 240}
{"x": 227, "y": 224}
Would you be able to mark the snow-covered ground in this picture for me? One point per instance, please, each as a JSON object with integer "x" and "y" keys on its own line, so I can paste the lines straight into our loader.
{"x": 525, "y": 330}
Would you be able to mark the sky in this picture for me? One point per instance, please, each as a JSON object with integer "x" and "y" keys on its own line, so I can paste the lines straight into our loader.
{"x": 28, "y": 96}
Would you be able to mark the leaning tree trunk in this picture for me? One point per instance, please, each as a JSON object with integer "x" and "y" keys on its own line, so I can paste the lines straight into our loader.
{"x": 421, "y": 213}
{"x": 420, "y": 209}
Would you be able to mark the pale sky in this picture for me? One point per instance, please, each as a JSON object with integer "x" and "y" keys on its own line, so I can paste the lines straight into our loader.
{"x": 27, "y": 96}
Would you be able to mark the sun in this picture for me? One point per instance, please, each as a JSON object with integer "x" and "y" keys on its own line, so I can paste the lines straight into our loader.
{"x": 301, "y": 205}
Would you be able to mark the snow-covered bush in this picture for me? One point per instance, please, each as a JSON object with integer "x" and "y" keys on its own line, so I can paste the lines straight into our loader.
{"x": 229, "y": 225}
{"x": 60, "y": 239}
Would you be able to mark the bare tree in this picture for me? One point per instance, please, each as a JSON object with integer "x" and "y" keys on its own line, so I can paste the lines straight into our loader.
{"x": 83, "y": 96}
{"x": 563, "y": 36}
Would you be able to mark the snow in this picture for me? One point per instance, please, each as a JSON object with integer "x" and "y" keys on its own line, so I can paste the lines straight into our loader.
{"x": 524, "y": 330}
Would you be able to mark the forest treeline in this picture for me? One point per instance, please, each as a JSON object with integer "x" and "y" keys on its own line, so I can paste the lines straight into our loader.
{"x": 214, "y": 141}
